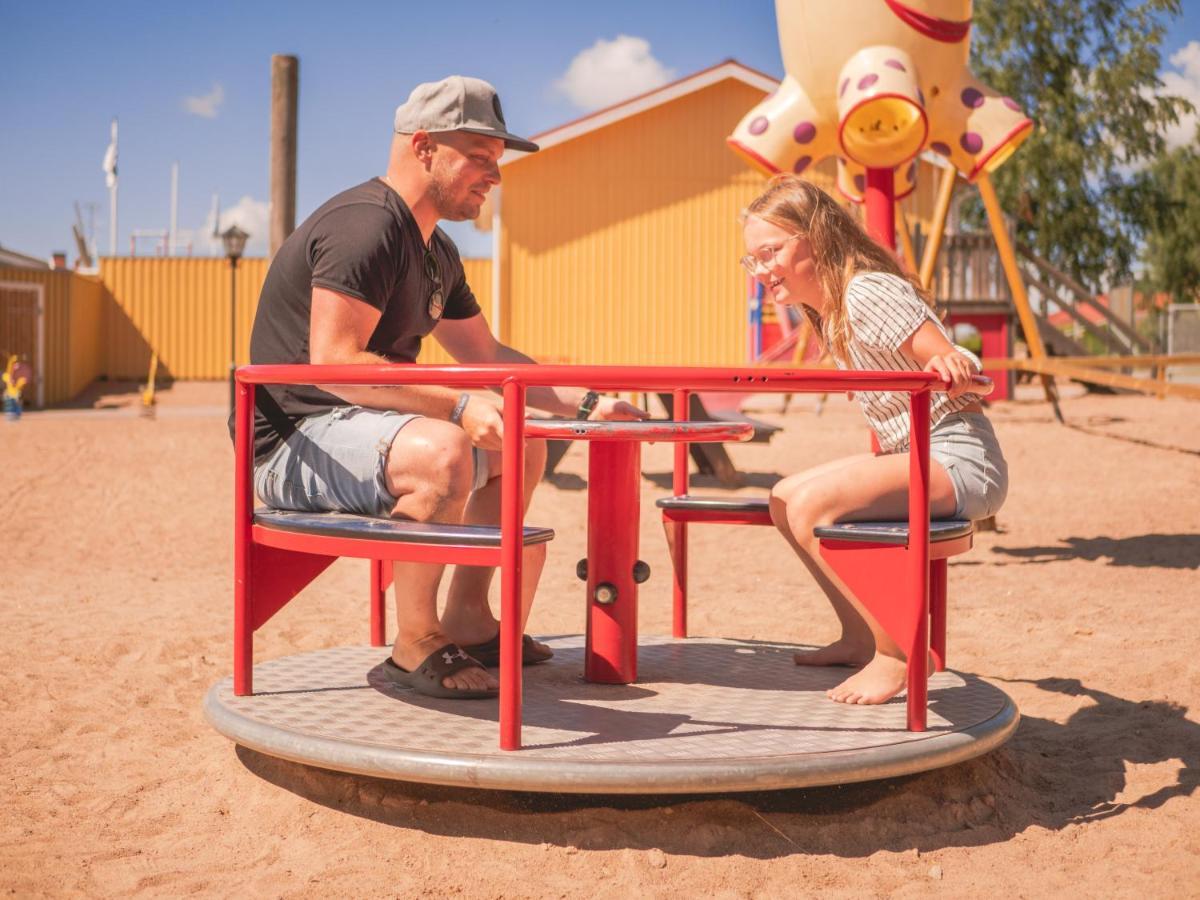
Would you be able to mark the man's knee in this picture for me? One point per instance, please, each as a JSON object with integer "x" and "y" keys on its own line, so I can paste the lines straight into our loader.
{"x": 430, "y": 465}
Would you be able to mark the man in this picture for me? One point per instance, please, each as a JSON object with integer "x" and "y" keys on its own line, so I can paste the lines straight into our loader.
{"x": 361, "y": 281}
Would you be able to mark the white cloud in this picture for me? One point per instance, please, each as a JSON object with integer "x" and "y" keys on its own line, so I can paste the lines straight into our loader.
{"x": 1184, "y": 83}
{"x": 207, "y": 105}
{"x": 611, "y": 71}
{"x": 248, "y": 214}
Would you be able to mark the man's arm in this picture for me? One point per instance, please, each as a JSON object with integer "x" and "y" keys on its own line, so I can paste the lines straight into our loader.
{"x": 471, "y": 341}
{"x": 340, "y": 327}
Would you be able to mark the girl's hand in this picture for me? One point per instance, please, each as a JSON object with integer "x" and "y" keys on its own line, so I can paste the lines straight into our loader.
{"x": 954, "y": 369}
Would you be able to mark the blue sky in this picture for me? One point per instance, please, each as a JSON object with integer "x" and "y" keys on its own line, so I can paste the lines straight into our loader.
{"x": 191, "y": 84}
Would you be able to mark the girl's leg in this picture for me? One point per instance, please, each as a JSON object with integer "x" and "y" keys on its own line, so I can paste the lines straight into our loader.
{"x": 862, "y": 488}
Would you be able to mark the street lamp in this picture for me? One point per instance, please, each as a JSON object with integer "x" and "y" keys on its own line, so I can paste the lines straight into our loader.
{"x": 235, "y": 242}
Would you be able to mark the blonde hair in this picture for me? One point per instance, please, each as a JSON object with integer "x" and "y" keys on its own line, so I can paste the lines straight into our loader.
{"x": 840, "y": 249}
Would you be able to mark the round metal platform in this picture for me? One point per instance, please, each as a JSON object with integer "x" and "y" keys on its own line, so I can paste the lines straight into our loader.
{"x": 706, "y": 715}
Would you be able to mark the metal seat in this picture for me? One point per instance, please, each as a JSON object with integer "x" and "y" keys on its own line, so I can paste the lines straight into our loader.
{"x": 892, "y": 532}
{"x": 346, "y": 525}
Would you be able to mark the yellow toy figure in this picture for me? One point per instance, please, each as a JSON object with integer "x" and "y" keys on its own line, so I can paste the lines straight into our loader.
{"x": 15, "y": 379}
{"x": 875, "y": 82}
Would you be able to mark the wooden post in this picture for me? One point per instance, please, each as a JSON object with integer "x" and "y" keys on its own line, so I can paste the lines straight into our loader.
{"x": 906, "y": 244}
{"x": 937, "y": 227}
{"x": 1012, "y": 272}
{"x": 285, "y": 80}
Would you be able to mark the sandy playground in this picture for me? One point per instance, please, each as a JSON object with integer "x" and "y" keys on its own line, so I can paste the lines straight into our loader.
{"x": 115, "y": 619}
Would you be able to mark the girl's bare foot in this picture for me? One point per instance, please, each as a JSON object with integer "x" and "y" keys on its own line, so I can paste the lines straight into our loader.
{"x": 842, "y": 652}
{"x": 879, "y": 681}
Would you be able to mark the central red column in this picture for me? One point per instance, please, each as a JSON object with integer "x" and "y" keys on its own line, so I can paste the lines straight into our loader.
{"x": 613, "y": 517}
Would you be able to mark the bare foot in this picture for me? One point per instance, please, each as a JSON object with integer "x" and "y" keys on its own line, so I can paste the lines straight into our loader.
{"x": 842, "y": 652}
{"x": 879, "y": 681}
{"x": 410, "y": 656}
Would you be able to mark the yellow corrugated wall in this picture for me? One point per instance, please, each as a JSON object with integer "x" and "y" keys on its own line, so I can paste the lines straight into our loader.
{"x": 85, "y": 334}
{"x": 179, "y": 307}
{"x": 621, "y": 245}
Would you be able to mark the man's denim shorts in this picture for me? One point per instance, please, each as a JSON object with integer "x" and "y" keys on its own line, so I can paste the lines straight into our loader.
{"x": 337, "y": 462}
{"x": 965, "y": 445}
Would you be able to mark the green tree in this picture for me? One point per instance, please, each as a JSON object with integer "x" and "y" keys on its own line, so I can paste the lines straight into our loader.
{"x": 1172, "y": 253}
{"x": 1086, "y": 71}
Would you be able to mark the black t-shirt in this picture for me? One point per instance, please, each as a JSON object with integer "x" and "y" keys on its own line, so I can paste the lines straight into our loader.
{"x": 364, "y": 243}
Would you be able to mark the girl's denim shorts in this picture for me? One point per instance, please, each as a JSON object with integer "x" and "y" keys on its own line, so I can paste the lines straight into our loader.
{"x": 965, "y": 445}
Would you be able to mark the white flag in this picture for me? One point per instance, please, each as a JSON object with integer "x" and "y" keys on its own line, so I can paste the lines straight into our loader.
{"x": 110, "y": 159}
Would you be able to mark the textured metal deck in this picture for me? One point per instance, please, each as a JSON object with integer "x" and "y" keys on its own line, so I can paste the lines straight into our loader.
{"x": 706, "y": 715}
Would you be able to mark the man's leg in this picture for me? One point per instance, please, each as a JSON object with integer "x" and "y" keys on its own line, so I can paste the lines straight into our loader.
{"x": 468, "y": 617}
{"x": 430, "y": 470}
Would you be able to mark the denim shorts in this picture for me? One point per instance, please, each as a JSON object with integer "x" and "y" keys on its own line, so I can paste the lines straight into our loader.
{"x": 337, "y": 462}
{"x": 965, "y": 445}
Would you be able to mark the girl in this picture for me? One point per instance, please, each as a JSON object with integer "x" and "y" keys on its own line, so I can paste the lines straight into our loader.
{"x": 808, "y": 251}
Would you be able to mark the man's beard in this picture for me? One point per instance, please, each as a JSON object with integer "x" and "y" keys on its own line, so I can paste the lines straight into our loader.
{"x": 448, "y": 208}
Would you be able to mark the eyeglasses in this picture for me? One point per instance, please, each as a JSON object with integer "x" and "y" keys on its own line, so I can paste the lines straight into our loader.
{"x": 437, "y": 300}
{"x": 764, "y": 256}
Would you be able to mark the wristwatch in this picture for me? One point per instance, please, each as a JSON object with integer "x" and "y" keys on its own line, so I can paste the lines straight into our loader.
{"x": 587, "y": 404}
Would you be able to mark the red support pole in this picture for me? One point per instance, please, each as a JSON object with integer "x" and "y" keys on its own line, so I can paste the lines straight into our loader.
{"x": 918, "y": 559}
{"x": 512, "y": 525}
{"x": 880, "y": 200}
{"x": 937, "y": 613}
{"x": 679, "y": 487}
{"x": 243, "y": 510}
{"x": 613, "y": 515}
{"x": 378, "y": 602}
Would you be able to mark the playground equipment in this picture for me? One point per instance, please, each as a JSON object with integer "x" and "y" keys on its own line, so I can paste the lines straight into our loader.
{"x": 16, "y": 375}
{"x": 147, "y": 408}
{"x": 875, "y": 84}
{"x": 658, "y": 715}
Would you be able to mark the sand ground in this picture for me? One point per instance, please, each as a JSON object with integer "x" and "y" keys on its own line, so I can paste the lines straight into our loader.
{"x": 115, "y": 612}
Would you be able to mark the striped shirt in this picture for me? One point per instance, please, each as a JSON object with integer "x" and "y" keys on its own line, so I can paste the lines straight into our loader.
{"x": 883, "y": 312}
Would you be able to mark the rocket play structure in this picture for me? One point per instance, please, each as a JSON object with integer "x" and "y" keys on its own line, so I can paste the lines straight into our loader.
{"x": 875, "y": 82}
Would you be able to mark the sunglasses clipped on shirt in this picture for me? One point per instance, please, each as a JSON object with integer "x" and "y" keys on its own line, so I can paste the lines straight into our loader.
{"x": 437, "y": 299}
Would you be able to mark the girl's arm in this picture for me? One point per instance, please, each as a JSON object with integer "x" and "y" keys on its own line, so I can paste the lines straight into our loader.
{"x": 928, "y": 347}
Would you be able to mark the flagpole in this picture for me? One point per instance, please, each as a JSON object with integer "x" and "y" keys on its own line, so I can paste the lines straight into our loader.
{"x": 110, "y": 176}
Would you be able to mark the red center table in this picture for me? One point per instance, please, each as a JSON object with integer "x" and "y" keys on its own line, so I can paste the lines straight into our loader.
{"x": 612, "y": 568}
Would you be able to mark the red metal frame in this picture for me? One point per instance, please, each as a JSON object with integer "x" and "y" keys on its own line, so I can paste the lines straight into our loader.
{"x": 270, "y": 567}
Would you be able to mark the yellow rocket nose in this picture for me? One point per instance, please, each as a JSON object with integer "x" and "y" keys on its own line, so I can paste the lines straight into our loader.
{"x": 884, "y": 131}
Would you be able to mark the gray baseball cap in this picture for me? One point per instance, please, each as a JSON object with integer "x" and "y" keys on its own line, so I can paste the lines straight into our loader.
{"x": 457, "y": 103}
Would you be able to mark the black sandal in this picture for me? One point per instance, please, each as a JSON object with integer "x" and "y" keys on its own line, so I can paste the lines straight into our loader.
{"x": 427, "y": 677}
{"x": 488, "y": 652}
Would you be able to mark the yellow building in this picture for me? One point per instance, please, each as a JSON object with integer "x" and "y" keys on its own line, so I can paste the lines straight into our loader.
{"x": 618, "y": 242}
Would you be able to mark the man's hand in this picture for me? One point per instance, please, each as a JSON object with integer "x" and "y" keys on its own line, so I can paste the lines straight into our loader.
{"x": 955, "y": 369}
{"x": 484, "y": 424}
{"x": 611, "y": 408}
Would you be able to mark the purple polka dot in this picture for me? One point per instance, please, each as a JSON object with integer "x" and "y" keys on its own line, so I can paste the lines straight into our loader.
{"x": 845, "y": 84}
{"x": 866, "y": 81}
{"x": 804, "y": 132}
{"x": 971, "y": 142}
{"x": 910, "y": 174}
{"x": 860, "y": 183}
{"x": 939, "y": 147}
{"x": 971, "y": 98}
{"x": 801, "y": 164}
{"x": 1010, "y": 103}
{"x": 896, "y": 64}
{"x": 759, "y": 125}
